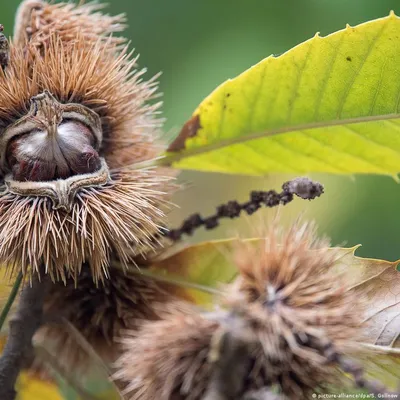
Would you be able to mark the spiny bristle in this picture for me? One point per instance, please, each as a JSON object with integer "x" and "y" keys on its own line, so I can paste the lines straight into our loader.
{"x": 36, "y": 20}
{"x": 298, "y": 305}
{"x": 293, "y": 272}
{"x": 170, "y": 358}
{"x": 296, "y": 314}
{"x": 110, "y": 86}
{"x": 69, "y": 51}
{"x": 99, "y": 313}
{"x": 121, "y": 217}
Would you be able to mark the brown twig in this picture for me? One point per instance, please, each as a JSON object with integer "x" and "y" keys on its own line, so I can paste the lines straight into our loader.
{"x": 301, "y": 187}
{"x": 23, "y": 325}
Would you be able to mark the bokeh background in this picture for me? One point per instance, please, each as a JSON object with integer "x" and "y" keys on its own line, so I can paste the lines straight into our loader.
{"x": 199, "y": 44}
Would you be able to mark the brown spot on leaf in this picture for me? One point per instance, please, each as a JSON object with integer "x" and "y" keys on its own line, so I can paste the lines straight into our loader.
{"x": 189, "y": 130}
{"x": 348, "y": 58}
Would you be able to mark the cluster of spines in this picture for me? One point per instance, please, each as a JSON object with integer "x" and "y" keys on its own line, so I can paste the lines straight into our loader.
{"x": 53, "y": 44}
{"x": 289, "y": 309}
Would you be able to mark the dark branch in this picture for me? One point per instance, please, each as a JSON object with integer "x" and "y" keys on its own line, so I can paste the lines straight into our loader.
{"x": 23, "y": 325}
{"x": 4, "y": 49}
{"x": 231, "y": 353}
{"x": 301, "y": 187}
{"x": 230, "y": 368}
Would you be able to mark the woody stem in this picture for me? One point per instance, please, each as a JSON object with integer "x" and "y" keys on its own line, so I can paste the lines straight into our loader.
{"x": 23, "y": 325}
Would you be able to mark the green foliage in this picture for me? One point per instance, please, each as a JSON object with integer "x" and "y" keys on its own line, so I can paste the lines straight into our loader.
{"x": 31, "y": 387}
{"x": 331, "y": 104}
{"x": 200, "y": 269}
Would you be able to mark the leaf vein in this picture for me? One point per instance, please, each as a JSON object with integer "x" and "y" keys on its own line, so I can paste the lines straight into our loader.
{"x": 322, "y": 91}
{"x": 300, "y": 72}
{"x": 357, "y": 73}
{"x": 372, "y": 141}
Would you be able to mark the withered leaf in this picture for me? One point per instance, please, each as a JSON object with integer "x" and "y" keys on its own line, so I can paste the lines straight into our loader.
{"x": 379, "y": 282}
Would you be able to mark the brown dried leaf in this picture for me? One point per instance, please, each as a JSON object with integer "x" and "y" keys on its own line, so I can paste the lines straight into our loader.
{"x": 379, "y": 282}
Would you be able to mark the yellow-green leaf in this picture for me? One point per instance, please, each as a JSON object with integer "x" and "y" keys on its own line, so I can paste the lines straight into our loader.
{"x": 30, "y": 387}
{"x": 199, "y": 269}
{"x": 94, "y": 384}
{"x": 196, "y": 272}
{"x": 330, "y": 104}
{"x": 382, "y": 363}
{"x": 6, "y": 288}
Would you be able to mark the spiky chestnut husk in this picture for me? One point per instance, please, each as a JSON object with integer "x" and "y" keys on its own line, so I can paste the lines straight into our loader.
{"x": 292, "y": 274}
{"x": 170, "y": 360}
{"x": 110, "y": 85}
{"x": 118, "y": 218}
{"x": 36, "y": 20}
{"x": 100, "y": 313}
{"x": 295, "y": 312}
{"x": 69, "y": 51}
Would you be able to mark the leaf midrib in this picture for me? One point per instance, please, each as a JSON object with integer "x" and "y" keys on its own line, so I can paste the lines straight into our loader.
{"x": 173, "y": 158}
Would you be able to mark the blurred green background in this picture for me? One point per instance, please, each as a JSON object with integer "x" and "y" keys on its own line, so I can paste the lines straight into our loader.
{"x": 199, "y": 44}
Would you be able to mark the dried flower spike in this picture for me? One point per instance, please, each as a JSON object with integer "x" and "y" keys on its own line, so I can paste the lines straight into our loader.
{"x": 74, "y": 114}
{"x": 302, "y": 187}
{"x": 294, "y": 313}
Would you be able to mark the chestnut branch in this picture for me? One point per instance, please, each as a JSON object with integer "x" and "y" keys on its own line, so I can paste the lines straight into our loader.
{"x": 230, "y": 368}
{"x": 23, "y": 325}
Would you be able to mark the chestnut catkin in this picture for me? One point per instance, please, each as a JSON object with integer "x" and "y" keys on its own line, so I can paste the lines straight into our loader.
{"x": 288, "y": 304}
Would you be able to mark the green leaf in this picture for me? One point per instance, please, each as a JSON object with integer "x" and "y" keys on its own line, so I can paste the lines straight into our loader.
{"x": 197, "y": 271}
{"x": 330, "y": 104}
{"x": 8, "y": 285}
{"x": 382, "y": 363}
{"x": 31, "y": 387}
{"x": 94, "y": 384}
